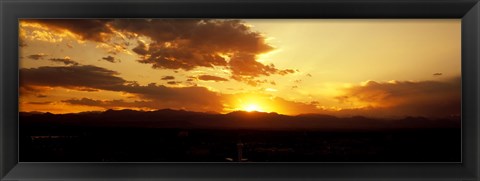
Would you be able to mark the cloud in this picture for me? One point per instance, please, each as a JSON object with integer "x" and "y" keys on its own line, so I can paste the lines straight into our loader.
{"x": 41, "y": 96}
{"x": 211, "y": 78}
{"x": 376, "y": 99}
{"x": 179, "y": 56}
{"x": 173, "y": 82}
{"x": 245, "y": 64}
{"x": 88, "y": 78}
{"x": 21, "y": 42}
{"x": 85, "y": 29}
{"x": 393, "y": 99}
{"x": 407, "y": 98}
{"x": 114, "y": 48}
{"x": 109, "y": 104}
{"x": 250, "y": 80}
{"x": 110, "y": 59}
{"x": 141, "y": 48}
{"x": 285, "y": 72}
{"x": 39, "y": 33}
{"x": 37, "y": 56}
{"x": 181, "y": 43}
{"x": 65, "y": 60}
{"x": 40, "y": 103}
{"x": 168, "y": 77}
{"x": 192, "y": 98}
{"x": 72, "y": 77}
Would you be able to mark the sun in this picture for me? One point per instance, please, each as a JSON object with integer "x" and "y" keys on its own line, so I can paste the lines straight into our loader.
{"x": 253, "y": 107}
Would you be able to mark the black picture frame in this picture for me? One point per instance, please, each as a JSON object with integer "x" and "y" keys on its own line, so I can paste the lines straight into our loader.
{"x": 467, "y": 10}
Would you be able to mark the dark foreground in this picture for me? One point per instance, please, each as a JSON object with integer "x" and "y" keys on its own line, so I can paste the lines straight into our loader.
{"x": 182, "y": 136}
{"x": 202, "y": 145}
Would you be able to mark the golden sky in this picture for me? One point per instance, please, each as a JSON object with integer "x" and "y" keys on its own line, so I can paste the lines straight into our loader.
{"x": 379, "y": 68}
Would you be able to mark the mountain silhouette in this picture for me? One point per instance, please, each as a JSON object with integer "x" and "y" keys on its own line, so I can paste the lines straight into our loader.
{"x": 169, "y": 118}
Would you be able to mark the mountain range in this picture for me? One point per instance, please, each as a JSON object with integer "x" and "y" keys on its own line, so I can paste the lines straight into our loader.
{"x": 168, "y": 118}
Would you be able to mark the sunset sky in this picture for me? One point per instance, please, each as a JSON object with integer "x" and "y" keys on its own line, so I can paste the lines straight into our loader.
{"x": 379, "y": 68}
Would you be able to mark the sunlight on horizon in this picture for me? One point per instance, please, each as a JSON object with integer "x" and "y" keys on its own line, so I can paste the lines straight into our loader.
{"x": 253, "y": 107}
{"x": 288, "y": 66}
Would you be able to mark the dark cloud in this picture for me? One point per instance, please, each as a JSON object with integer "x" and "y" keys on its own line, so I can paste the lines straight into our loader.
{"x": 141, "y": 48}
{"x": 21, "y": 42}
{"x": 109, "y": 104}
{"x": 66, "y": 61}
{"x": 249, "y": 80}
{"x": 173, "y": 82}
{"x": 380, "y": 99}
{"x": 245, "y": 65}
{"x": 168, "y": 77}
{"x": 437, "y": 74}
{"x": 84, "y": 101}
{"x": 216, "y": 35}
{"x": 88, "y": 77}
{"x": 42, "y": 96}
{"x": 211, "y": 78}
{"x": 199, "y": 98}
{"x": 425, "y": 98}
{"x": 110, "y": 59}
{"x": 73, "y": 77}
{"x": 30, "y": 90}
{"x": 286, "y": 71}
{"x": 183, "y": 43}
{"x": 37, "y": 56}
{"x": 164, "y": 56}
{"x": 86, "y": 29}
{"x": 40, "y": 103}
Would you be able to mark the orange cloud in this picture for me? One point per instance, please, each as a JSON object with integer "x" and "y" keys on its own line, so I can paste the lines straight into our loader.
{"x": 406, "y": 98}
